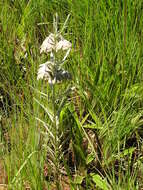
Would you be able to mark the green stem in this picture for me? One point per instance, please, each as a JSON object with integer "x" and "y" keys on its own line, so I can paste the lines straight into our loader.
{"x": 55, "y": 128}
{"x": 125, "y": 41}
{"x": 55, "y": 125}
{"x": 125, "y": 25}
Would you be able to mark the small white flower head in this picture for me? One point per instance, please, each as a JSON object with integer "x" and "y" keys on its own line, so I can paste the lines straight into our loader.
{"x": 48, "y": 44}
{"x": 63, "y": 45}
{"x": 55, "y": 43}
{"x": 44, "y": 71}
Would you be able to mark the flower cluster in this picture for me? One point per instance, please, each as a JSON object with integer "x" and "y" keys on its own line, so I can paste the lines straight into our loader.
{"x": 52, "y": 70}
{"x": 51, "y": 43}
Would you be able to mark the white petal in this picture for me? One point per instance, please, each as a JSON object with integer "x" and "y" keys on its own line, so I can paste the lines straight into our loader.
{"x": 48, "y": 44}
{"x": 43, "y": 71}
{"x": 63, "y": 44}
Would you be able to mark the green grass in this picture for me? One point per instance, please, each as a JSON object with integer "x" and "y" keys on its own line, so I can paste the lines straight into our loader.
{"x": 102, "y": 120}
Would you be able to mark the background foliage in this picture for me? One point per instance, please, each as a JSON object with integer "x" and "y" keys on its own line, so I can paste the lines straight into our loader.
{"x": 104, "y": 115}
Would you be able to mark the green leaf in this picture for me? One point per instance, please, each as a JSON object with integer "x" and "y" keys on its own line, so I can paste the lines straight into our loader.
{"x": 47, "y": 110}
{"x": 78, "y": 179}
{"x": 128, "y": 151}
{"x": 101, "y": 183}
{"x": 90, "y": 158}
{"x": 92, "y": 126}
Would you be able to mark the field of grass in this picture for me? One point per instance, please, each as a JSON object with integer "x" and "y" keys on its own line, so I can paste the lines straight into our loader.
{"x": 98, "y": 144}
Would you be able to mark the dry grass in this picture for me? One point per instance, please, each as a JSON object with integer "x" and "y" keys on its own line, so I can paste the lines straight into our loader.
{"x": 3, "y": 176}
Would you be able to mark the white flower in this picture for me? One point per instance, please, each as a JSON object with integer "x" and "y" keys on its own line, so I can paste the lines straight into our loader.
{"x": 63, "y": 45}
{"x": 55, "y": 43}
{"x": 44, "y": 71}
{"x": 48, "y": 44}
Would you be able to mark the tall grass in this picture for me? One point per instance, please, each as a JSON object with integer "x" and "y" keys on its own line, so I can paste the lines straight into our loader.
{"x": 102, "y": 120}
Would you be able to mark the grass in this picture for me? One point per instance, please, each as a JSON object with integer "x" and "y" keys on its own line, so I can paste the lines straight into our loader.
{"x": 102, "y": 120}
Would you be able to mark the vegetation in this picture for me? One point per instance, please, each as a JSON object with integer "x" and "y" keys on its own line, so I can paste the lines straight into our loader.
{"x": 98, "y": 142}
